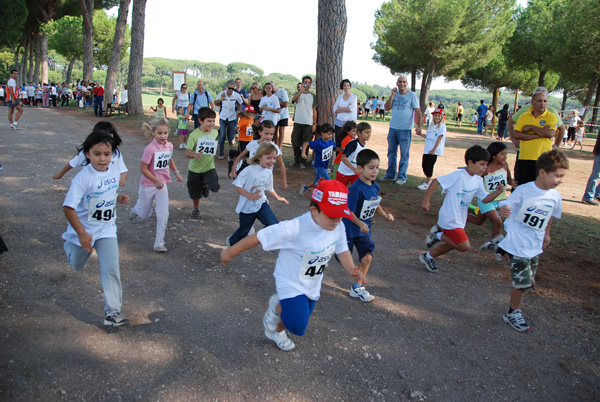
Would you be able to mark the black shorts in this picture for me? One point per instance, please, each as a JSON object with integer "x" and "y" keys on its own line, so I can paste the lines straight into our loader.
{"x": 196, "y": 182}
{"x": 525, "y": 171}
{"x": 282, "y": 123}
{"x": 364, "y": 245}
{"x": 459, "y": 118}
{"x": 428, "y": 164}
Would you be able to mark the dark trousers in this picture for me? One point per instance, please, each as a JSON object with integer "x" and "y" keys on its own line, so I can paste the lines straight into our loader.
{"x": 265, "y": 215}
{"x": 300, "y": 134}
{"x": 98, "y": 105}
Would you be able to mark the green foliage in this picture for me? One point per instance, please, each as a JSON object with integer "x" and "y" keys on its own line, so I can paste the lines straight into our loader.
{"x": 104, "y": 33}
{"x": 99, "y": 75}
{"x": 14, "y": 17}
{"x": 498, "y": 75}
{"x": 66, "y": 36}
{"x": 366, "y": 89}
{"x": 7, "y": 60}
{"x": 54, "y": 76}
{"x": 362, "y": 97}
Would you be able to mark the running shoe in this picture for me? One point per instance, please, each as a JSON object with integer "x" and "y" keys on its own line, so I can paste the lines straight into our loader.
{"x": 429, "y": 263}
{"x": 271, "y": 319}
{"x": 431, "y": 238}
{"x": 423, "y": 186}
{"x": 160, "y": 249}
{"x": 195, "y": 214}
{"x": 205, "y": 190}
{"x": 362, "y": 293}
{"x": 303, "y": 189}
{"x": 281, "y": 339}
{"x": 116, "y": 319}
{"x": 515, "y": 320}
{"x": 400, "y": 182}
{"x": 490, "y": 245}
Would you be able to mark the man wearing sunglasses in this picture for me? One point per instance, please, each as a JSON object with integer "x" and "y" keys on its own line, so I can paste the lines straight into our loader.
{"x": 228, "y": 100}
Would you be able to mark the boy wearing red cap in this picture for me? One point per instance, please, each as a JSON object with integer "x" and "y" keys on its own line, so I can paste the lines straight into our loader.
{"x": 306, "y": 245}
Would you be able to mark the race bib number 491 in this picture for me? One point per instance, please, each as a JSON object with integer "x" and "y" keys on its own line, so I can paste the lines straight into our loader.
{"x": 102, "y": 210}
{"x": 208, "y": 147}
{"x": 313, "y": 265}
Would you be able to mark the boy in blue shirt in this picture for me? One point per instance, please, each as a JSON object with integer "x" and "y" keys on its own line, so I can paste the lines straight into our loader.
{"x": 363, "y": 202}
{"x": 323, "y": 148}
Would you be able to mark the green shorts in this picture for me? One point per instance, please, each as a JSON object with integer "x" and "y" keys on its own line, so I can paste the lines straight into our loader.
{"x": 522, "y": 272}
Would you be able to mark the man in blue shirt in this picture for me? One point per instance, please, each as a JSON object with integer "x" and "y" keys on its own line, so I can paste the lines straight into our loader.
{"x": 481, "y": 112}
{"x": 200, "y": 98}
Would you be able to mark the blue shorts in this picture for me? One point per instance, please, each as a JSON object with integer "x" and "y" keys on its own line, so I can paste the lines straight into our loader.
{"x": 364, "y": 245}
{"x": 295, "y": 313}
{"x": 321, "y": 174}
{"x": 490, "y": 206}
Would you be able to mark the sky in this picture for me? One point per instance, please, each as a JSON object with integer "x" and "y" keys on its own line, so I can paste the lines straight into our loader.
{"x": 274, "y": 35}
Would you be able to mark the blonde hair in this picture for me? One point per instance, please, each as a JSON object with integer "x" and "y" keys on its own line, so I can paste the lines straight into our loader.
{"x": 154, "y": 123}
{"x": 266, "y": 148}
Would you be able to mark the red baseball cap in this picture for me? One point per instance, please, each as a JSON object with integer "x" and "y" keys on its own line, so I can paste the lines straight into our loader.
{"x": 438, "y": 110}
{"x": 250, "y": 109}
{"x": 332, "y": 197}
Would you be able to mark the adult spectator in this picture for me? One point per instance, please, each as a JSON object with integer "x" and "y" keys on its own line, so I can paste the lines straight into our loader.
{"x": 488, "y": 121}
{"x": 535, "y": 129}
{"x": 254, "y": 99}
{"x": 54, "y": 95}
{"x": 228, "y": 100}
{"x": 368, "y": 104}
{"x": 181, "y": 99}
{"x": 460, "y": 111}
{"x": 441, "y": 105}
{"x": 13, "y": 100}
{"x": 284, "y": 114}
{"x": 269, "y": 105}
{"x": 374, "y": 108}
{"x": 98, "y": 92}
{"x": 2, "y": 94}
{"x": 305, "y": 120}
{"x": 503, "y": 116}
{"x": 592, "y": 190}
{"x": 31, "y": 94}
{"x": 200, "y": 98}
{"x": 574, "y": 120}
{"x": 345, "y": 110}
{"x": 64, "y": 95}
{"x": 125, "y": 98}
{"x": 481, "y": 112}
{"x": 405, "y": 107}
{"x": 429, "y": 113}
{"x": 241, "y": 91}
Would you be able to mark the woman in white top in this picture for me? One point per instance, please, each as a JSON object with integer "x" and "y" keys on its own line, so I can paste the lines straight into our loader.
{"x": 344, "y": 108}
{"x": 269, "y": 105}
{"x": 181, "y": 99}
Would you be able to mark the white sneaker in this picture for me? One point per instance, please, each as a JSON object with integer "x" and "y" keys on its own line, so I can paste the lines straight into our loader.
{"x": 400, "y": 182}
{"x": 362, "y": 293}
{"x": 182, "y": 146}
{"x": 281, "y": 339}
{"x": 160, "y": 249}
{"x": 431, "y": 238}
{"x": 303, "y": 189}
{"x": 271, "y": 320}
{"x": 423, "y": 186}
{"x": 490, "y": 245}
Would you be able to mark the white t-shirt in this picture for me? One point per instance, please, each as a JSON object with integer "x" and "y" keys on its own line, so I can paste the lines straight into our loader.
{"x": 532, "y": 209}
{"x": 31, "y": 91}
{"x": 253, "y": 145}
{"x": 93, "y": 196}
{"x": 270, "y": 102}
{"x": 350, "y": 103}
{"x": 433, "y": 132}
{"x": 253, "y": 179}
{"x": 11, "y": 85}
{"x": 303, "y": 113}
{"x": 125, "y": 97}
{"x": 305, "y": 249}
{"x": 429, "y": 112}
{"x": 351, "y": 150}
{"x": 282, "y": 95}
{"x": 228, "y": 105}
{"x": 116, "y": 161}
{"x": 183, "y": 100}
{"x": 460, "y": 188}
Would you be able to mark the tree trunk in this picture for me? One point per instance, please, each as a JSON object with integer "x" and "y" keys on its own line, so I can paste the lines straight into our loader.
{"x": 32, "y": 47}
{"x": 136, "y": 57}
{"x": 590, "y": 92}
{"x": 24, "y": 62}
{"x": 115, "y": 56}
{"x": 44, "y": 58}
{"x": 332, "y": 22}
{"x": 516, "y": 100}
{"x": 87, "y": 12}
{"x": 495, "y": 98}
{"x": 541, "y": 78}
{"x": 426, "y": 80}
{"x": 564, "y": 100}
{"x": 596, "y": 103}
{"x": 70, "y": 68}
{"x": 413, "y": 80}
{"x": 38, "y": 59}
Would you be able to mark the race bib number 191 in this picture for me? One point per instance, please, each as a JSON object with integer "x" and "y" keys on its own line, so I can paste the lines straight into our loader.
{"x": 313, "y": 265}
{"x": 161, "y": 160}
{"x": 208, "y": 147}
{"x": 534, "y": 216}
{"x": 102, "y": 210}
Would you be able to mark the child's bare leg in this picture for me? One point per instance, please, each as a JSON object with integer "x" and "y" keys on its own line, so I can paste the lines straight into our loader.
{"x": 516, "y": 296}
{"x": 364, "y": 265}
{"x": 477, "y": 219}
{"x": 196, "y": 203}
{"x": 449, "y": 245}
{"x": 496, "y": 221}
{"x": 280, "y": 326}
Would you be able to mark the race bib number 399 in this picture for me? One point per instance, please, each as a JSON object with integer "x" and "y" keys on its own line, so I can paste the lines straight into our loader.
{"x": 534, "y": 215}
{"x": 161, "y": 160}
{"x": 208, "y": 147}
{"x": 102, "y": 210}
{"x": 313, "y": 265}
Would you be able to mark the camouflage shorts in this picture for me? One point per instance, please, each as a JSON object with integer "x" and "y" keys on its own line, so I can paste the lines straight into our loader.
{"x": 522, "y": 271}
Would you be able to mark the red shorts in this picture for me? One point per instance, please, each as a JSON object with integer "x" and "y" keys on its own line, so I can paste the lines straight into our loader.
{"x": 456, "y": 235}
{"x": 346, "y": 180}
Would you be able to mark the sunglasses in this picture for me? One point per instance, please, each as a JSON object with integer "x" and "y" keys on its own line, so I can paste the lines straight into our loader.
{"x": 230, "y": 89}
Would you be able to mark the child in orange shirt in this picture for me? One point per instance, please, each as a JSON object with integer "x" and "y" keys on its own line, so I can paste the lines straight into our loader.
{"x": 245, "y": 134}
{"x": 348, "y": 133}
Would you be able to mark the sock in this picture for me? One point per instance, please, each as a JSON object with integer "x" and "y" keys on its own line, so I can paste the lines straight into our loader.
{"x": 510, "y": 310}
{"x": 356, "y": 285}
{"x": 438, "y": 235}
{"x": 429, "y": 256}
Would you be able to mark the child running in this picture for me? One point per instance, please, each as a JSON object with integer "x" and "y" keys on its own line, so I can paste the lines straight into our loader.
{"x": 116, "y": 160}
{"x": 529, "y": 211}
{"x": 251, "y": 184}
{"x": 265, "y": 132}
{"x": 347, "y": 134}
{"x": 347, "y": 173}
{"x": 90, "y": 208}
{"x": 245, "y": 136}
{"x": 201, "y": 150}
{"x": 306, "y": 245}
{"x": 363, "y": 202}
{"x": 460, "y": 187}
{"x": 157, "y": 159}
{"x": 182, "y": 127}
{"x": 435, "y": 140}
{"x": 579, "y": 135}
{"x": 497, "y": 173}
{"x": 323, "y": 147}
{"x": 160, "y": 109}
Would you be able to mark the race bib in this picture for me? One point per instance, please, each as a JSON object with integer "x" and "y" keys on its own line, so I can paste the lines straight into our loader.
{"x": 534, "y": 215}
{"x": 493, "y": 180}
{"x": 161, "y": 160}
{"x": 207, "y": 147}
{"x": 249, "y": 131}
{"x": 327, "y": 153}
{"x": 313, "y": 264}
{"x": 368, "y": 209}
{"x": 102, "y": 209}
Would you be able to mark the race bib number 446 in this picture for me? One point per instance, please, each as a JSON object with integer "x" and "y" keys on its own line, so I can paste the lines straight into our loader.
{"x": 208, "y": 147}
{"x": 534, "y": 215}
{"x": 102, "y": 209}
{"x": 313, "y": 265}
{"x": 161, "y": 160}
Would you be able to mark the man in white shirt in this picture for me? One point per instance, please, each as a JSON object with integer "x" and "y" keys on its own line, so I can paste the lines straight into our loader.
{"x": 284, "y": 114}
{"x": 305, "y": 120}
{"x": 228, "y": 101}
{"x": 13, "y": 100}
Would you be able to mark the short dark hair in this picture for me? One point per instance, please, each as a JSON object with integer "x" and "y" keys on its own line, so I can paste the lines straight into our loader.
{"x": 362, "y": 126}
{"x": 551, "y": 161}
{"x": 325, "y": 128}
{"x": 14, "y": 71}
{"x": 366, "y": 156}
{"x": 110, "y": 129}
{"x": 206, "y": 113}
{"x": 307, "y": 76}
{"x": 97, "y": 137}
{"x": 344, "y": 81}
{"x": 495, "y": 148}
{"x": 476, "y": 153}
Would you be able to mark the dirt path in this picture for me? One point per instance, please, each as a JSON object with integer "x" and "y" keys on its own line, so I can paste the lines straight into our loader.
{"x": 196, "y": 330}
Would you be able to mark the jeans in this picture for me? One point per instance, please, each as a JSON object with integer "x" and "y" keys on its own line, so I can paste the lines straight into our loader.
{"x": 593, "y": 185}
{"x": 107, "y": 250}
{"x": 98, "y": 105}
{"x": 321, "y": 173}
{"x": 265, "y": 215}
{"x": 397, "y": 138}
{"x": 226, "y": 131}
{"x": 480, "y": 124}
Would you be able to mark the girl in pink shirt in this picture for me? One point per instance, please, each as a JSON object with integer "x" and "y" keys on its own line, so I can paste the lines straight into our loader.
{"x": 156, "y": 162}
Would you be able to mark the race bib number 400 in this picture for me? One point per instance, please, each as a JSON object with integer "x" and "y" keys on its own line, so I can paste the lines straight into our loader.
{"x": 102, "y": 209}
{"x": 161, "y": 160}
{"x": 535, "y": 216}
{"x": 313, "y": 264}
{"x": 208, "y": 147}
{"x": 369, "y": 208}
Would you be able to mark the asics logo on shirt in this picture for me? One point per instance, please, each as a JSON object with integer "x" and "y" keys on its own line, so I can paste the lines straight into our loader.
{"x": 106, "y": 182}
{"x": 105, "y": 203}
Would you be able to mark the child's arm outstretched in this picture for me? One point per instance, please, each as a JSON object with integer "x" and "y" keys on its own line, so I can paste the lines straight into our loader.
{"x": 122, "y": 179}
{"x": 428, "y": 194}
{"x": 246, "y": 243}
{"x": 237, "y": 160}
{"x": 492, "y": 196}
{"x": 382, "y": 213}
{"x": 283, "y": 172}
{"x": 304, "y": 149}
{"x": 348, "y": 263}
{"x": 174, "y": 169}
{"x": 84, "y": 237}
{"x": 62, "y": 171}
{"x": 346, "y": 162}
{"x": 364, "y": 228}
{"x": 278, "y": 198}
